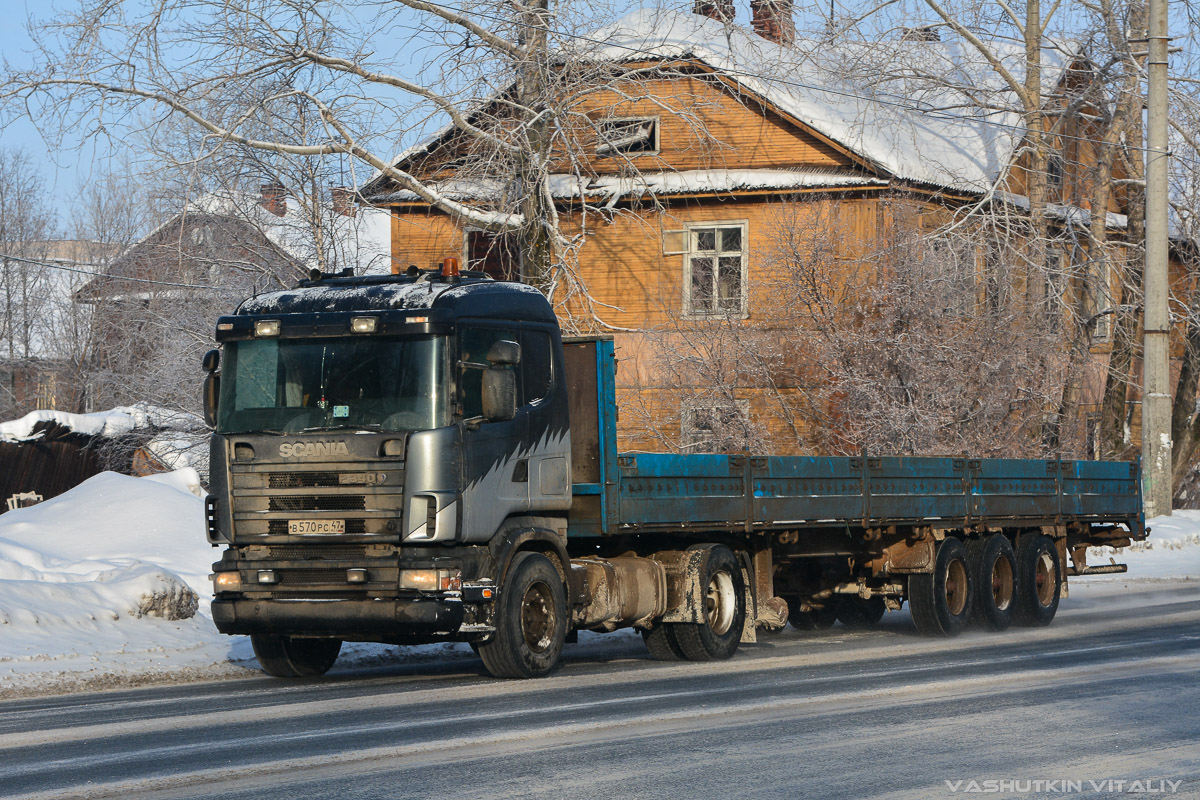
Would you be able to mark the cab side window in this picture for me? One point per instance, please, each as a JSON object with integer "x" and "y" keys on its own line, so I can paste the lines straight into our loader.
{"x": 473, "y": 346}
{"x": 535, "y": 365}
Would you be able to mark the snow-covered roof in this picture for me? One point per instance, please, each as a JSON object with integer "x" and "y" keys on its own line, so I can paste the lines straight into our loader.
{"x": 612, "y": 187}
{"x": 934, "y": 113}
{"x": 921, "y": 120}
{"x": 362, "y": 241}
{"x": 111, "y": 423}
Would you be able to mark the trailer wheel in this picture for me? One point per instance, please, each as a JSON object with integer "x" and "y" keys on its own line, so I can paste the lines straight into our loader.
{"x": 857, "y": 613}
{"x": 661, "y": 642}
{"x": 531, "y": 620}
{"x": 813, "y": 620}
{"x": 294, "y": 657}
{"x": 941, "y": 601}
{"x": 717, "y": 636}
{"x": 1039, "y": 581}
{"x": 993, "y": 570}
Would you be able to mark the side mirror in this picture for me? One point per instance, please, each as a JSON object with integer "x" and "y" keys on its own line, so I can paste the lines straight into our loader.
{"x": 504, "y": 353}
{"x": 212, "y": 390}
{"x": 499, "y": 392}
{"x": 212, "y": 361}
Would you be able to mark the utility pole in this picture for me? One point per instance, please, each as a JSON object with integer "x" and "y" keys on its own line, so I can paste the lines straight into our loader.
{"x": 1156, "y": 366}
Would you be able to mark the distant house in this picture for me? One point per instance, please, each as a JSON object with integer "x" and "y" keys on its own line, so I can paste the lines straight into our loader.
{"x": 693, "y": 197}
{"x": 163, "y": 293}
{"x": 40, "y": 358}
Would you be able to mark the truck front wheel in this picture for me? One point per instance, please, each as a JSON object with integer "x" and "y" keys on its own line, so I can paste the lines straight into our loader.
{"x": 717, "y": 635}
{"x": 941, "y": 601}
{"x": 294, "y": 657}
{"x": 531, "y": 620}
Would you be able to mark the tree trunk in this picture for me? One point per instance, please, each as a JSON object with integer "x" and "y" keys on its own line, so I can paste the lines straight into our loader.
{"x": 536, "y": 240}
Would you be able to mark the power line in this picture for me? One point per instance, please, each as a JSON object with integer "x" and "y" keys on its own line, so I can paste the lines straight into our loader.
{"x": 53, "y": 265}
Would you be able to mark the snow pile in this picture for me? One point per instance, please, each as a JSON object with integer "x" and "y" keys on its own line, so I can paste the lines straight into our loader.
{"x": 110, "y": 424}
{"x": 1171, "y": 552}
{"x": 112, "y": 548}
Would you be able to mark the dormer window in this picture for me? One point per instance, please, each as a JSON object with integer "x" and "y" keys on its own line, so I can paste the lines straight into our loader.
{"x": 627, "y": 136}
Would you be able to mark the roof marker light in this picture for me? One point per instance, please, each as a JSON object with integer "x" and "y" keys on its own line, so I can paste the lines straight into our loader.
{"x": 266, "y": 327}
{"x": 364, "y": 324}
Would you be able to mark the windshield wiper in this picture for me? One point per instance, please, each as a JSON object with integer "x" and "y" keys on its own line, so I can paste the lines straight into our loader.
{"x": 366, "y": 426}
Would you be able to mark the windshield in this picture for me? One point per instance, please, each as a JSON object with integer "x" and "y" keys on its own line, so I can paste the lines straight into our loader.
{"x": 367, "y": 383}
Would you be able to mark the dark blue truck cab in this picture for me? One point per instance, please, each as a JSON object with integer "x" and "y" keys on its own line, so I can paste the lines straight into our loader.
{"x": 425, "y": 458}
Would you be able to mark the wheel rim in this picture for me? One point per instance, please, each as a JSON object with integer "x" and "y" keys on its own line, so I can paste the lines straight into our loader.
{"x": 538, "y": 617}
{"x": 1002, "y": 583}
{"x": 1043, "y": 579}
{"x": 720, "y": 603}
{"x": 956, "y": 587}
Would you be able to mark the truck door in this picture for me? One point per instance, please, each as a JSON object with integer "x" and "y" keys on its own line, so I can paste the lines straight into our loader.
{"x": 495, "y": 462}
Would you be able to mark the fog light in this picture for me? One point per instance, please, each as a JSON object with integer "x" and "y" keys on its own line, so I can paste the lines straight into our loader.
{"x": 363, "y": 324}
{"x": 267, "y": 576}
{"x": 227, "y": 582}
{"x": 356, "y": 575}
{"x": 266, "y": 327}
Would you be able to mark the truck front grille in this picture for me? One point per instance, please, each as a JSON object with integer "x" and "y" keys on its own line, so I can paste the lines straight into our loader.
{"x": 319, "y": 502}
{"x": 309, "y": 577}
{"x": 310, "y": 552}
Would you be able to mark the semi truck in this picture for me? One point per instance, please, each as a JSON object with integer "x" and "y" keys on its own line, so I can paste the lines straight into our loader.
{"x": 424, "y": 457}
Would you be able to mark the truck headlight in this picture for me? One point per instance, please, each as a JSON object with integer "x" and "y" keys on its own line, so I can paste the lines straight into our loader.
{"x": 430, "y": 580}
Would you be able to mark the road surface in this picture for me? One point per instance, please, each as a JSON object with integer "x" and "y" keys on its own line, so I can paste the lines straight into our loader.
{"x": 1104, "y": 702}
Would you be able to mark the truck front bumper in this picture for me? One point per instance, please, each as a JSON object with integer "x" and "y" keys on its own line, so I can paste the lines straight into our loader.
{"x": 368, "y": 619}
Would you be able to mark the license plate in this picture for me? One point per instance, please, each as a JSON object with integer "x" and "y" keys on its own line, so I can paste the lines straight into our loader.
{"x": 302, "y": 526}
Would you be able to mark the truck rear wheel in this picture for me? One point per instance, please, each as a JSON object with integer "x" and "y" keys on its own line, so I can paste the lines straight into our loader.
{"x": 716, "y": 637}
{"x": 941, "y": 601}
{"x": 1039, "y": 580}
{"x": 531, "y": 620}
{"x": 660, "y": 641}
{"x": 294, "y": 657}
{"x": 855, "y": 612}
{"x": 993, "y": 570}
{"x": 813, "y": 619}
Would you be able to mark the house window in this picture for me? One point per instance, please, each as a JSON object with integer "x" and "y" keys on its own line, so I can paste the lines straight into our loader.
{"x": 715, "y": 268}
{"x": 47, "y": 385}
{"x": 494, "y": 254}
{"x": 1055, "y": 170}
{"x": 716, "y": 425}
{"x": 1055, "y": 281}
{"x": 627, "y": 136}
{"x": 1096, "y": 299}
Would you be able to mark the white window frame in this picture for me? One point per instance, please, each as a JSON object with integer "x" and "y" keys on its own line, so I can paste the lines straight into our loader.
{"x": 605, "y": 149}
{"x": 689, "y": 311}
{"x": 688, "y": 433}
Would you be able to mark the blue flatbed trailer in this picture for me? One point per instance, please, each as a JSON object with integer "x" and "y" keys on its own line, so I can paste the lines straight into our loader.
{"x": 827, "y": 534}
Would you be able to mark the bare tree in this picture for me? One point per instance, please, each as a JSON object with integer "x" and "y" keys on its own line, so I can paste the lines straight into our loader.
{"x": 501, "y": 76}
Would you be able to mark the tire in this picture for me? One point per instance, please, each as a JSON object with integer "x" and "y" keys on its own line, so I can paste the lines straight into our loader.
{"x": 531, "y": 620}
{"x": 660, "y": 641}
{"x": 1039, "y": 581}
{"x": 816, "y": 620}
{"x": 860, "y": 614}
{"x": 716, "y": 638}
{"x": 941, "y": 601}
{"x": 993, "y": 571}
{"x": 294, "y": 657}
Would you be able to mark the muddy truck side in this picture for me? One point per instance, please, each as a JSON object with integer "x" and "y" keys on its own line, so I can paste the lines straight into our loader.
{"x": 423, "y": 457}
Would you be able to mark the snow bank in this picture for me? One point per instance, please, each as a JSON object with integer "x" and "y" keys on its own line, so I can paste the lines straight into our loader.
{"x": 1171, "y": 552}
{"x": 111, "y": 423}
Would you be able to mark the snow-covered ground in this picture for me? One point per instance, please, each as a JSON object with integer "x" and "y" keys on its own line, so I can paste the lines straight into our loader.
{"x": 93, "y": 585}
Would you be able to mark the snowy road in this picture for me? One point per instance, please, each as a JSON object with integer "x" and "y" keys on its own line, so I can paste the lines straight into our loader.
{"x": 1109, "y": 692}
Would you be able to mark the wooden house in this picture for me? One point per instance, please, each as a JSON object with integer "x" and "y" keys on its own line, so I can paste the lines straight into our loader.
{"x": 692, "y": 172}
